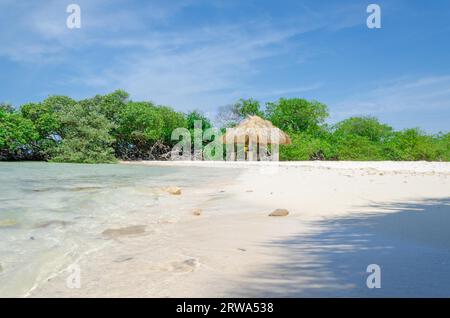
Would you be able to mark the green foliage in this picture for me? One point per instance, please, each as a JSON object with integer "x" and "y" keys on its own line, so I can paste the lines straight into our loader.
{"x": 231, "y": 115}
{"x": 139, "y": 123}
{"x": 194, "y": 115}
{"x": 16, "y": 134}
{"x": 47, "y": 122}
{"x": 413, "y": 144}
{"x": 368, "y": 127}
{"x": 111, "y": 105}
{"x": 247, "y": 107}
{"x": 443, "y": 146}
{"x": 358, "y": 148}
{"x": 296, "y": 114}
{"x": 363, "y": 139}
{"x": 106, "y": 127}
{"x": 7, "y": 107}
{"x": 43, "y": 117}
{"x": 87, "y": 136}
{"x": 170, "y": 121}
{"x": 306, "y": 146}
{"x": 191, "y": 118}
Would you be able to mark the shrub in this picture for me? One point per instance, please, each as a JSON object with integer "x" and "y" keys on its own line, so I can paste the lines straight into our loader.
{"x": 411, "y": 145}
{"x": 16, "y": 135}
{"x": 307, "y": 147}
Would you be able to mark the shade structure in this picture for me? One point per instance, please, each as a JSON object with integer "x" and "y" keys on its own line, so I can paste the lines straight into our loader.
{"x": 260, "y": 130}
{"x": 254, "y": 139}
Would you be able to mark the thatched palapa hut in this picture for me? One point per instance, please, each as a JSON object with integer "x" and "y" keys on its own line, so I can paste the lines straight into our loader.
{"x": 254, "y": 139}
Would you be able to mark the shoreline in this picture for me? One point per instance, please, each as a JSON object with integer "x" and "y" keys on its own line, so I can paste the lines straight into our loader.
{"x": 235, "y": 249}
{"x": 397, "y": 166}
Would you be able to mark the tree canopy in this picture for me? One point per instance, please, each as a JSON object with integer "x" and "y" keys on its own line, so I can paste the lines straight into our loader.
{"x": 297, "y": 114}
{"x": 109, "y": 127}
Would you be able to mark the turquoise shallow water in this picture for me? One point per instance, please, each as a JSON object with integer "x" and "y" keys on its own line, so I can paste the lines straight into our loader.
{"x": 52, "y": 214}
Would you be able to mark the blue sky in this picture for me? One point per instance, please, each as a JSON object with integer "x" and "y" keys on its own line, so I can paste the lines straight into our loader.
{"x": 203, "y": 54}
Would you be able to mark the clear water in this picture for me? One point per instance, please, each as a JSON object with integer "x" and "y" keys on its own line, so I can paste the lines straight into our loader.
{"x": 53, "y": 214}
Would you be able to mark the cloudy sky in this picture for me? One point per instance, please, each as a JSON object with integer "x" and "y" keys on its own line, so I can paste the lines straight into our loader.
{"x": 203, "y": 54}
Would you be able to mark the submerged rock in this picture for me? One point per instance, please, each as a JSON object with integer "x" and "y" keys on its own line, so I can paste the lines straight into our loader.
{"x": 49, "y": 223}
{"x": 173, "y": 190}
{"x": 186, "y": 266}
{"x": 279, "y": 212}
{"x": 1, "y": 268}
{"x": 86, "y": 189}
{"x": 8, "y": 223}
{"x": 197, "y": 211}
{"x": 124, "y": 231}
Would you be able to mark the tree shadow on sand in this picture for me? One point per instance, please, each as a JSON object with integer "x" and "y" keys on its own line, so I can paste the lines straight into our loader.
{"x": 411, "y": 245}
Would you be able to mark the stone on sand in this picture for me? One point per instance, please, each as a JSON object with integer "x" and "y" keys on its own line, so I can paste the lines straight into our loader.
{"x": 197, "y": 211}
{"x": 173, "y": 190}
{"x": 279, "y": 212}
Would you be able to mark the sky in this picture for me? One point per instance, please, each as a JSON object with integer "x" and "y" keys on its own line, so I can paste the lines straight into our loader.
{"x": 204, "y": 54}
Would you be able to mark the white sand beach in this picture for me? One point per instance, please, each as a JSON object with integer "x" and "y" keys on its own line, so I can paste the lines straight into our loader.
{"x": 343, "y": 216}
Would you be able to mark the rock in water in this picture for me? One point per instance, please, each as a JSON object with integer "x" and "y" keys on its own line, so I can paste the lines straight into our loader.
{"x": 124, "y": 231}
{"x": 8, "y": 223}
{"x": 50, "y": 223}
{"x": 279, "y": 212}
{"x": 186, "y": 266}
{"x": 173, "y": 190}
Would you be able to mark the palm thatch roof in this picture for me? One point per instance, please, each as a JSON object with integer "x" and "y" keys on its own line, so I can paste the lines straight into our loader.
{"x": 257, "y": 129}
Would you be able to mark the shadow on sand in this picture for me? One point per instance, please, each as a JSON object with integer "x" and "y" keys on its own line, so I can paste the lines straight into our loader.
{"x": 411, "y": 245}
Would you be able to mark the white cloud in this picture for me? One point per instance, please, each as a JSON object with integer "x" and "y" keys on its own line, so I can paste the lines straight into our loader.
{"x": 400, "y": 95}
{"x": 205, "y": 65}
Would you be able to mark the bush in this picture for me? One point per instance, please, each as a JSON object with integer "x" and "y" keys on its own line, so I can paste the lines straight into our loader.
{"x": 16, "y": 135}
{"x": 305, "y": 146}
{"x": 171, "y": 120}
{"x": 443, "y": 147}
{"x": 413, "y": 144}
{"x": 358, "y": 148}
